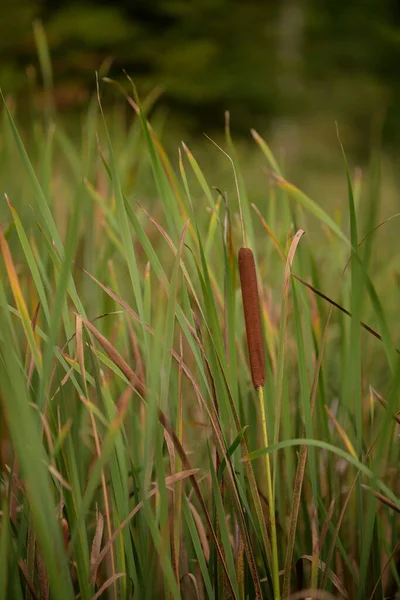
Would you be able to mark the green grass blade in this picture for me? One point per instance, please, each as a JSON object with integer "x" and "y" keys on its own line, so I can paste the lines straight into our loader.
{"x": 338, "y": 451}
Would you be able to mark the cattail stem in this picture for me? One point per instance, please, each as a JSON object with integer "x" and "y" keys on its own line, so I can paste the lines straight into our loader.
{"x": 271, "y": 500}
{"x": 251, "y": 308}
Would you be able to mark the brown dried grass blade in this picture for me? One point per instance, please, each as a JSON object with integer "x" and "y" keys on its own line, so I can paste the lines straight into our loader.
{"x": 19, "y": 299}
{"x": 112, "y": 580}
{"x": 160, "y": 229}
{"x": 96, "y": 545}
{"x": 171, "y": 451}
{"x": 32, "y": 362}
{"x": 116, "y": 358}
{"x": 338, "y": 306}
{"x": 327, "y": 522}
{"x": 79, "y": 351}
{"x": 27, "y": 579}
{"x": 269, "y": 233}
{"x": 342, "y": 433}
{"x": 292, "y": 251}
{"x": 392, "y": 555}
{"x": 382, "y": 401}
{"x": 42, "y": 575}
{"x": 177, "y": 520}
{"x": 330, "y": 574}
{"x": 201, "y": 531}
{"x": 194, "y": 582}
{"x": 173, "y": 543}
{"x": 136, "y": 352}
{"x": 381, "y": 498}
{"x": 30, "y": 560}
{"x": 240, "y": 571}
{"x": 57, "y": 475}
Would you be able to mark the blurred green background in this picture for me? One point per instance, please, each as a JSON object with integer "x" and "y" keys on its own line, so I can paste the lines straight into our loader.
{"x": 289, "y": 68}
{"x": 308, "y": 60}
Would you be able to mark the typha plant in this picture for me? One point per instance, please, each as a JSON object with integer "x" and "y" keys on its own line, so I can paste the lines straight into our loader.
{"x": 123, "y": 375}
{"x": 255, "y": 345}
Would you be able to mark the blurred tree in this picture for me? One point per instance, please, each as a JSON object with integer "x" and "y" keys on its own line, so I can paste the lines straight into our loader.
{"x": 262, "y": 59}
{"x": 350, "y": 56}
{"x": 16, "y": 41}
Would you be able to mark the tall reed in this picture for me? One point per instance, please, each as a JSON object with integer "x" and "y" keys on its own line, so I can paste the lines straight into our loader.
{"x": 252, "y": 316}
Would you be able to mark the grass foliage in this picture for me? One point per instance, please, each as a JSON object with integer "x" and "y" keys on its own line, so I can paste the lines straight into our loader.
{"x": 133, "y": 443}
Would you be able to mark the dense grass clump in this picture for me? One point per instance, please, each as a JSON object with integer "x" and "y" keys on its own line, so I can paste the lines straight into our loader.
{"x": 137, "y": 459}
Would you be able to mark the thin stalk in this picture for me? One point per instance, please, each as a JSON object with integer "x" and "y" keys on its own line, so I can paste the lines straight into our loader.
{"x": 271, "y": 502}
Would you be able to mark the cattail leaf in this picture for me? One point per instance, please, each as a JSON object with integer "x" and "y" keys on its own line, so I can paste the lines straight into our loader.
{"x": 110, "y": 581}
{"x": 96, "y": 545}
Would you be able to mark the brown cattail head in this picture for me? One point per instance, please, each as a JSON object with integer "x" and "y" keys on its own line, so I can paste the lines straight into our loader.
{"x": 252, "y": 316}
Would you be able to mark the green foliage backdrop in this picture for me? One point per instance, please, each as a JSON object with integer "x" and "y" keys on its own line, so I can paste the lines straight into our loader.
{"x": 311, "y": 60}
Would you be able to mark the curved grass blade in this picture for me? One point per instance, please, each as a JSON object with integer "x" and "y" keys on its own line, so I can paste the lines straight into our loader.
{"x": 338, "y": 451}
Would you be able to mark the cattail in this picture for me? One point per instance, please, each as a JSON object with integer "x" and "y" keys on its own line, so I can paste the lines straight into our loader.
{"x": 251, "y": 307}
